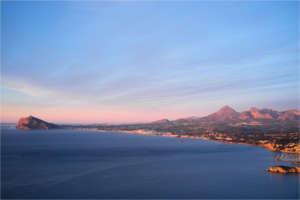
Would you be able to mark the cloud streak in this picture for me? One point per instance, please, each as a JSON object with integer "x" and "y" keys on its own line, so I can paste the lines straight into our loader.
{"x": 143, "y": 61}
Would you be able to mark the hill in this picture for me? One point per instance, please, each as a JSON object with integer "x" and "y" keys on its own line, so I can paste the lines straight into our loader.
{"x": 34, "y": 123}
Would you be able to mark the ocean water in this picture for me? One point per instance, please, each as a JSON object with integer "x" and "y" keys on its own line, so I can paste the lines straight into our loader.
{"x": 81, "y": 164}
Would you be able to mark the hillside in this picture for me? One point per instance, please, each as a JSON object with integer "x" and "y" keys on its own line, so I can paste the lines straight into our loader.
{"x": 33, "y": 123}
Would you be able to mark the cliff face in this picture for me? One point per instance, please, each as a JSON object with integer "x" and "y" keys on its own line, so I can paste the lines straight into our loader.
{"x": 33, "y": 123}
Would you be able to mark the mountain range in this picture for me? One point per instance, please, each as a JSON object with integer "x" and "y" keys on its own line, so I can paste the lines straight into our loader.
{"x": 275, "y": 130}
{"x": 227, "y": 120}
{"x": 226, "y": 117}
{"x": 228, "y": 114}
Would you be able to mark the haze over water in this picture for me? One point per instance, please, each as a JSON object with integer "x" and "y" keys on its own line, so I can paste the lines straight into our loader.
{"x": 75, "y": 164}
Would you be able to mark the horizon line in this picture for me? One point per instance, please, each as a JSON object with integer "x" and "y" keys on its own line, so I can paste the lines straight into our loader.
{"x": 146, "y": 121}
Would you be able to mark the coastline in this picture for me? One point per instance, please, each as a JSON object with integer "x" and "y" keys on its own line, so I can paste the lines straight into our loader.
{"x": 295, "y": 164}
{"x": 228, "y": 141}
{"x": 284, "y": 155}
{"x": 265, "y": 145}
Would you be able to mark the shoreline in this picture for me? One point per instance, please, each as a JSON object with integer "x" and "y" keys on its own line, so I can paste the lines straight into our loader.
{"x": 185, "y": 136}
{"x": 289, "y": 148}
{"x": 294, "y": 163}
{"x": 284, "y": 155}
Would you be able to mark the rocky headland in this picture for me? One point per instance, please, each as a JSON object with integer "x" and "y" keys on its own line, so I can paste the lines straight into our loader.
{"x": 33, "y": 123}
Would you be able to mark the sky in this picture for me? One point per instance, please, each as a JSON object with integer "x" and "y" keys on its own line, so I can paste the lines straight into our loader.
{"x": 120, "y": 62}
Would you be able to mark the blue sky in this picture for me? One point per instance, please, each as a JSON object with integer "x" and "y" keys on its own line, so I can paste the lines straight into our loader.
{"x": 142, "y": 61}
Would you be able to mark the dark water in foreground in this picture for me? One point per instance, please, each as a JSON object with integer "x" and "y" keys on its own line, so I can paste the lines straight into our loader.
{"x": 74, "y": 164}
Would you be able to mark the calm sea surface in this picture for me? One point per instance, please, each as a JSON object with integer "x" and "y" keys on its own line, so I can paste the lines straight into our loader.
{"x": 77, "y": 164}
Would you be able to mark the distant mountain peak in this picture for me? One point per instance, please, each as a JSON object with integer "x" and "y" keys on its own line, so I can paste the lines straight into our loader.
{"x": 224, "y": 113}
{"x": 226, "y": 110}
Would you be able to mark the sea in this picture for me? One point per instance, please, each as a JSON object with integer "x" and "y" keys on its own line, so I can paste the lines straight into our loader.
{"x": 74, "y": 164}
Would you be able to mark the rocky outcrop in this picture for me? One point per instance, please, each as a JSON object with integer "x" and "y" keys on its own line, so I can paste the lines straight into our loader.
{"x": 284, "y": 169}
{"x": 33, "y": 123}
{"x": 290, "y": 147}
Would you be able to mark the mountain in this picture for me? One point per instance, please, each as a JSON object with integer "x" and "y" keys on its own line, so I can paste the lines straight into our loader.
{"x": 255, "y": 113}
{"x": 228, "y": 121}
{"x": 269, "y": 114}
{"x": 226, "y": 113}
{"x": 290, "y": 115}
{"x": 34, "y": 123}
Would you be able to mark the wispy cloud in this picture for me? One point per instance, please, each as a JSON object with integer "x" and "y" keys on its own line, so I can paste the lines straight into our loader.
{"x": 98, "y": 59}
